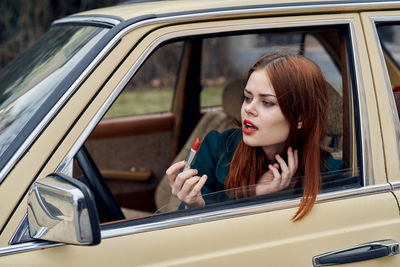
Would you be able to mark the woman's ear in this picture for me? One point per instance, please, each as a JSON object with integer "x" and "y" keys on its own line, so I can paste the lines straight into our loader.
{"x": 299, "y": 125}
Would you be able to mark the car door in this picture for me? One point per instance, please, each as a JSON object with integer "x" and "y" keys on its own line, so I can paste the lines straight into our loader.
{"x": 382, "y": 29}
{"x": 249, "y": 232}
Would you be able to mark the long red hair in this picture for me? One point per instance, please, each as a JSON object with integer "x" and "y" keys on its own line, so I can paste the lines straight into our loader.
{"x": 301, "y": 90}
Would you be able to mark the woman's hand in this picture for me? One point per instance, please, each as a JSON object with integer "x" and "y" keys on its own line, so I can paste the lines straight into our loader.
{"x": 186, "y": 186}
{"x": 273, "y": 180}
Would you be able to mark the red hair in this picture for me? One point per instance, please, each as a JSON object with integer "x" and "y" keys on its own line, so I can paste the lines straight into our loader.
{"x": 301, "y": 90}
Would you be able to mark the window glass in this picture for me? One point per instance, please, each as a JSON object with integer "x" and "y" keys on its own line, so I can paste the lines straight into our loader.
{"x": 389, "y": 36}
{"x": 151, "y": 89}
{"x": 314, "y": 50}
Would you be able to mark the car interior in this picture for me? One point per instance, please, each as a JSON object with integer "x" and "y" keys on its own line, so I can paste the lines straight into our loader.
{"x": 200, "y": 81}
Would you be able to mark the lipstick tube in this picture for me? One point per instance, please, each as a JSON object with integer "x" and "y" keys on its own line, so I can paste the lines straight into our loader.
{"x": 191, "y": 155}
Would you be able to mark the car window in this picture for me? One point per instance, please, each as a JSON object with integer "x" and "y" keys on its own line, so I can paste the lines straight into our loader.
{"x": 151, "y": 89}
{"x": 314, "y": 50}
{"x": 389, "y": 36}
{"x": 225, "y": 61}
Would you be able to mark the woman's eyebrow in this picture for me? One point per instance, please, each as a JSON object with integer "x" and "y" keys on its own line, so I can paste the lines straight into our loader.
{"x": 261, "y": 95}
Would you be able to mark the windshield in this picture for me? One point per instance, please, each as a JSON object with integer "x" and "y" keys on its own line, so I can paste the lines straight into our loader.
{"x": 30, "y": 79}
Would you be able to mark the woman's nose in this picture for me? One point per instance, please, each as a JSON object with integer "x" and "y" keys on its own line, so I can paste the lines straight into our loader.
{"x": 250, "y": 108}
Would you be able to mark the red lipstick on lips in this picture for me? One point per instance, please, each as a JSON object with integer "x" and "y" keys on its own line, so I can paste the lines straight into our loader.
{"x": 249, "y": 127}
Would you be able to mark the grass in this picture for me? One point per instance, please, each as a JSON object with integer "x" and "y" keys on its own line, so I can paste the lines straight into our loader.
{"x": 156, "y": 101}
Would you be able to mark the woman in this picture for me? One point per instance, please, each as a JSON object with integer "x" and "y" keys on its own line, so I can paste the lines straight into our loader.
{"x": 283, "y": 121}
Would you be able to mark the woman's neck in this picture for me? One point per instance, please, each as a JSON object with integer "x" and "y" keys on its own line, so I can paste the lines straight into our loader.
{"x": 271, "y": 150}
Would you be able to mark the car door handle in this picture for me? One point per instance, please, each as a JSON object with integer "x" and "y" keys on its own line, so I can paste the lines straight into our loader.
{"x": 367, "y": 251}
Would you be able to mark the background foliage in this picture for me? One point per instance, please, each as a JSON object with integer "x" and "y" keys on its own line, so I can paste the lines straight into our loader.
{"x": 23, "y": 21}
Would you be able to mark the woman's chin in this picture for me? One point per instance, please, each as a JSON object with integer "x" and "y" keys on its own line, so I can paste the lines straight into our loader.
{"x": 250, "y": 141}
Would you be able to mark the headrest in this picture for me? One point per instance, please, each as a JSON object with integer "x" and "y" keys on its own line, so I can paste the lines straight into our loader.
{"x": 335, "y": 112}
{"x": 232, "y": 98}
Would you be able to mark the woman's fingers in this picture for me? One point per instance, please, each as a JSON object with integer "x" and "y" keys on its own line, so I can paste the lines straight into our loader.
{"x": 291, "y": 161}
{"x": 284, "y": 168}
{"x": 187, "y": 187}
{"x": 180, "y": 180}
{"x": 171, "y": 171}
{"x": 191, "y": 191}
{"x": 197, "y": 188}
{"x": 275, "y": 172}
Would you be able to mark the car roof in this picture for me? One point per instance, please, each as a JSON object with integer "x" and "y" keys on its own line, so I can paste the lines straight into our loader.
{"x": 133, "y": 9}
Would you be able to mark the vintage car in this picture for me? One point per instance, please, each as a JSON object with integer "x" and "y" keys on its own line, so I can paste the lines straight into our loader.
{"x": 92, "y": 115}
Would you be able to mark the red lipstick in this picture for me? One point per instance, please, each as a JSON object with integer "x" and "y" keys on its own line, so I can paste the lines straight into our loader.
{"x": 192, "y": 154}
{"x": 249, "y": 127}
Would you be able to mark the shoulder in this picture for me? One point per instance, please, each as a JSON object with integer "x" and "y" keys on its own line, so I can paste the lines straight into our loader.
{"x": 229, "y": 138}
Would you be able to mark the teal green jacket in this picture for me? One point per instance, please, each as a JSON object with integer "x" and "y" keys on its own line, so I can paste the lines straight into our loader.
{"x": 216, "y": 152}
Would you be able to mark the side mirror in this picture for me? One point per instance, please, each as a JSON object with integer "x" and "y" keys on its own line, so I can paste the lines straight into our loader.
{"x": 63, "y": 209}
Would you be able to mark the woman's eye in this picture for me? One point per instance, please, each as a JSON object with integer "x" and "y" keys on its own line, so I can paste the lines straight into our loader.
{"x": 247, "y": 99}
{"x": 268, "y": 103}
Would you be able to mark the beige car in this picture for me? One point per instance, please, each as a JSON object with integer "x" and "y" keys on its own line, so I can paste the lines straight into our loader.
{"x": 93, "y": 114}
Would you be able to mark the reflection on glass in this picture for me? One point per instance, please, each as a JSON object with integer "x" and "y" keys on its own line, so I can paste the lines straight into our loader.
{"x": 26, "y": 83}
{"x": 330, "y": 181}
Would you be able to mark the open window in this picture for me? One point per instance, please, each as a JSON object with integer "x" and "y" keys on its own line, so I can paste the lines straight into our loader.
{"x": 194, "y": 84}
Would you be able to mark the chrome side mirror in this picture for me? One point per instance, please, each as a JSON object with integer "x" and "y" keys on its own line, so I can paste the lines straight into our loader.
{"x": 63, "y": 209}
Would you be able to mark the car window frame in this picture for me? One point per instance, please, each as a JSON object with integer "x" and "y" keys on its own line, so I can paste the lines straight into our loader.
{"x": 358, "y": 85}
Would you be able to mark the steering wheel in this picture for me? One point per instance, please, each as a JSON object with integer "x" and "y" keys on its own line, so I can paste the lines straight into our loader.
{"x": 107, "y": 206}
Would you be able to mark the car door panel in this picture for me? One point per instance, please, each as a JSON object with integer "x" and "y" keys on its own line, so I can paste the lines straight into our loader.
{"x": 263, "y": 238}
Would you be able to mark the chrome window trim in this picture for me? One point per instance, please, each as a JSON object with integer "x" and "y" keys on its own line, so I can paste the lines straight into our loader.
{"x": 389, "y": 92}
{"x": 395, "y": 185}
{"x": 173, "y": 18}
{"x": 366, "y": 149}
{"x": 87, "y": 19}
{"x": 28, "y": 246}
{"x": 243, "y": 211}
{"x": 209, "y": 216}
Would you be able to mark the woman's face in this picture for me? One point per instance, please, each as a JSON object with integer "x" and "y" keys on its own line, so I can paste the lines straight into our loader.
{"x": 263, "y": 123}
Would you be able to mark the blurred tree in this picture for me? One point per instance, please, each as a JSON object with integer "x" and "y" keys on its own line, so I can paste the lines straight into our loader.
{"x": 23, "y": 21}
